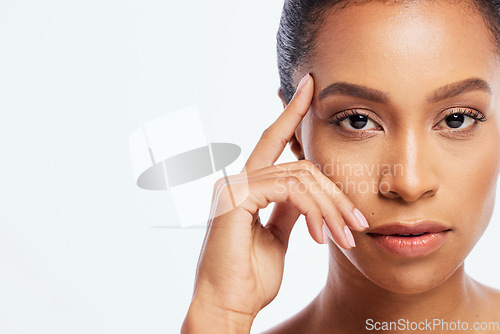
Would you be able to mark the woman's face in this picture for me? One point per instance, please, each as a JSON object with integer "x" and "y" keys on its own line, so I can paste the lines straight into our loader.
{"x": 408, "y": 161}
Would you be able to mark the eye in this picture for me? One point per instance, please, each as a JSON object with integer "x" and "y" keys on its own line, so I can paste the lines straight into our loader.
{"x": 353, "y": 119}
{"x": 461, "y": 118}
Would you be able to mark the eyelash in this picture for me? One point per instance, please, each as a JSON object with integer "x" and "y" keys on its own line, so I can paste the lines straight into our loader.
{"x": 345, "y": 114}
{"x": 468, "y": 112}
{"x": 474, "y": 114}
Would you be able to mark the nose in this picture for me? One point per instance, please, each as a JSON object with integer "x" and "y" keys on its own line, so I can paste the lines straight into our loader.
{"x": 412, "y": 174}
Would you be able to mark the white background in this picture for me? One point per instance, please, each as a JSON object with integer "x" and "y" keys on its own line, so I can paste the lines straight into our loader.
{"x": 78, "y": 253}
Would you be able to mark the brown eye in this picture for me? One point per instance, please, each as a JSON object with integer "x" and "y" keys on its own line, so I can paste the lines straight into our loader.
{"x": 358, "y": 122}
{"x": 456, "y": 121}
{"x": 355, "y": 121}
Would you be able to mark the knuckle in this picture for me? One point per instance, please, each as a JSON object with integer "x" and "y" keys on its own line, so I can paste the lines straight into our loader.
{"x": 266, "y": 133}
{"x": 333, "y": 216}
{"x": 220, "y": 184}
{"x": 305, "y": 172}
{"x": 283, "y": 141}
{"x": 315, "y": 211}
{"x": 303, "y": 175}
{"x": 223, "y": 192}
{"x": 221, "y": 188}
{"x": 292, "y": 180}
{"x": 229, "y": 194}
{"x": 271, "y": 135}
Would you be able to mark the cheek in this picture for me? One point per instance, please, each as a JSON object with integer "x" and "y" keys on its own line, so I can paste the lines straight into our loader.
{"x": 475, "y": 186}
{"x": 355, "y": 169}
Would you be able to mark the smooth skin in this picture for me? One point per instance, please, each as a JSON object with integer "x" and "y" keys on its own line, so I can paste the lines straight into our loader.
{"x": 410, "y": 53}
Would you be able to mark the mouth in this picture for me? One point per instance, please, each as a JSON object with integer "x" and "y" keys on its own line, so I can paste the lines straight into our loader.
{"x": 410, "y": 239}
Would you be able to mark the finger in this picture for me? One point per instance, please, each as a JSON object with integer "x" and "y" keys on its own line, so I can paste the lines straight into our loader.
{"x": 285, "y": 189}
{"x": 330, "y": 214}
{"x": 282, "y": 220}
{"x": 350, "y": 214}
{"x": 310, "y": 199}
{"x": 347, "y": 239}
{"x": 274, "y": 139}
{"x": 309, "y": 187}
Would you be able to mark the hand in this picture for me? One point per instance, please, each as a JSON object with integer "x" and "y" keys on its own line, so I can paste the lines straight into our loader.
{"x": 241, "y": 264}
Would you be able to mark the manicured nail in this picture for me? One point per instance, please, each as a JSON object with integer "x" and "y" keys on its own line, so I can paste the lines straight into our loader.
{"x": 361, "y": 219}
{"x": 325, "y": 234}
{"x": 350, "y": 238}
{"x": 303, "y": 81}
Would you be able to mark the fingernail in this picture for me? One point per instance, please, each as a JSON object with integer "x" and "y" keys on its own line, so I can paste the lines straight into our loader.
{"x": 325, "y": 234}
{"x": 303, "y": 81}
{"x": 361, "y": 219}
{"x": 350, "y": 238}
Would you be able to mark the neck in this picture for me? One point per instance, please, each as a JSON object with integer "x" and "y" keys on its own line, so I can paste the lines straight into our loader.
{"x": 349, "y": 299}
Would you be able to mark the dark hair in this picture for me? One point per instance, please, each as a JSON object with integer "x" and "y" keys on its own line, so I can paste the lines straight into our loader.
{"x": 301, "y": 20}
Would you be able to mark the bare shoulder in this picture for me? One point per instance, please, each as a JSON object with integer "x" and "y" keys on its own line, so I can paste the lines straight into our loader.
{"x": 490, "y": 296}
{"x": 494, "y": 295}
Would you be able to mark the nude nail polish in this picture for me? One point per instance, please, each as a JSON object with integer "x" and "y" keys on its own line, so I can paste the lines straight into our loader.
{"x": 350, "y": 238}
{"x": 303, "y": 81}
{"x": 361, "y": 219}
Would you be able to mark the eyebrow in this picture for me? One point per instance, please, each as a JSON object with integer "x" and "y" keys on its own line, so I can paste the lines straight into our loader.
{"x": 459, "y": 88}
{"x": 375, "y": 95}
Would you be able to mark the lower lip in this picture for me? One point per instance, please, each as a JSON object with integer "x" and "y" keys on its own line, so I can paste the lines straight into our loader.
{"x": 410, "y": 246}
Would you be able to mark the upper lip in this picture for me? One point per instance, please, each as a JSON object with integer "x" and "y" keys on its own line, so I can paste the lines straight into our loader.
{"x": 424, "y": 226}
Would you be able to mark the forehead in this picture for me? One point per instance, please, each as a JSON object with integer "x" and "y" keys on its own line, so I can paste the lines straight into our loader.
{"x": 404, "y": 46}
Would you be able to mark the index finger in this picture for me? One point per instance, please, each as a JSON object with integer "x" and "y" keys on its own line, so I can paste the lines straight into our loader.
{"x": 274, "y": 139}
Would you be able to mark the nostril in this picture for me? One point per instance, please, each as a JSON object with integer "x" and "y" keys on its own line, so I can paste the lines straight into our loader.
{"x": 391, "y": 194}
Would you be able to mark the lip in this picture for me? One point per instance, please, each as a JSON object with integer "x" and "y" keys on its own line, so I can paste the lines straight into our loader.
{"x": 430, "y": 236}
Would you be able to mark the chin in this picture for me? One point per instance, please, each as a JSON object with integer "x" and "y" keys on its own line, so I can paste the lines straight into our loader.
{"x": 410, "y": 281}
{"x": 406, "y": 275}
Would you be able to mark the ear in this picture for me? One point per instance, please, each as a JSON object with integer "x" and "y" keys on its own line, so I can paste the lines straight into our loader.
{"x": 295, "y": 141}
